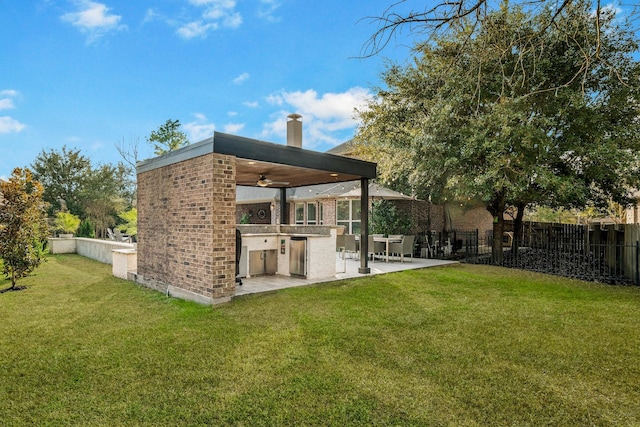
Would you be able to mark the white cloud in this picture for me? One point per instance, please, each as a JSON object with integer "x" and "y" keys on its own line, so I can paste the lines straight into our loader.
{"x": 233, "y": 21}
{"x": 233, "y": 127}
{"x": 6, "y": 104}
{"x": 199, "y": 129}
{"x": 251, "y": 104}
{"x": 232, "y": 113}
{"x": 150, "y": 16}
{"x": 196, "y": 29}
{"x": 241, "y": 78}
{"x": 8, "y": 125}
{"x": 324, "y": 117}
{"x": 93, "y": 18}
{"x": 275, "y": 99}
{"x": 214, "y": 14}
{"x": 9, "y": 92}
{"x": 267, "y": 9}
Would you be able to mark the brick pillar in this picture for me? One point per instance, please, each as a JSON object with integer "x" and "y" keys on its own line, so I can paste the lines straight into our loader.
{"x": 186, "y": 228}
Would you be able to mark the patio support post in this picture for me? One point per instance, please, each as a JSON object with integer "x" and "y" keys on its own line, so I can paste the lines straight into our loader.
{"x": 364, "y": 227}
{"x": 284, "y": 217}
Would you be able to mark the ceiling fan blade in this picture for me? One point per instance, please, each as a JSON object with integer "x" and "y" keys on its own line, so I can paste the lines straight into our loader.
{"x": 263, "y": 181}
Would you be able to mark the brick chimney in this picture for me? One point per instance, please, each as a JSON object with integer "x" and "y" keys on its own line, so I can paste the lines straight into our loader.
{"x": 294, "y": 130}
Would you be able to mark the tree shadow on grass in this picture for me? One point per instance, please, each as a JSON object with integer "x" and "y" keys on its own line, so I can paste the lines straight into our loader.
{"x": 13, "y": 288}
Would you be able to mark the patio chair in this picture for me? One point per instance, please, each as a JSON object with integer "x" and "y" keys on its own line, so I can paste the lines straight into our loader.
{"x": 119, "y": 237}
{"x": 350, "y": 244}
{"x": 404, "y": 247}
{"x": 375, "y": 248}
{"x": 340, "y": 243}
{"x": 427, "y": 249}
{"x": 110, "y": 234}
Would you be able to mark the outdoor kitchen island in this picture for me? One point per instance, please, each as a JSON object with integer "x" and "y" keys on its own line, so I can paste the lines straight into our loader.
{"x": 268, "y": 249}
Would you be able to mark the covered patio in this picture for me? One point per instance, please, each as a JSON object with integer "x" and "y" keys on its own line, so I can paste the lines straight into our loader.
{"x": 187, "y": 205}
{"x": 349, "y": 266}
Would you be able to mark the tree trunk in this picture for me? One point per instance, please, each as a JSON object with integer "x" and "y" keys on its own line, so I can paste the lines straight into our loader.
{"x": 496, "y": 209}
{"x": 517, "y": 229}
{"x": 496, "y": 247}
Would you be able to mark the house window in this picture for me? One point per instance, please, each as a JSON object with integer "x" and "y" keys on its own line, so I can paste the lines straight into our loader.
{"x": 348, "y": 213}
{"x": 299, "y": 213}
{"x": 320, "y": 213}
{"x": 311, "y": 214}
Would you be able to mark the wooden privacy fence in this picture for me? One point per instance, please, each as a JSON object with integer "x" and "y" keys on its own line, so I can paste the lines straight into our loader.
{"x": 608, "y": 253}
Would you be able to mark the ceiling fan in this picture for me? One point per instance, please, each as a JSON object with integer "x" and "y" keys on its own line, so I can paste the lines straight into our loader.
{"x": 263, "y": 181}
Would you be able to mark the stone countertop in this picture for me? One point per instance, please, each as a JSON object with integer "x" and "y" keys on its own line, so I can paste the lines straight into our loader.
{"x": 285, "y": 234}
{"x": 286, "y": 230}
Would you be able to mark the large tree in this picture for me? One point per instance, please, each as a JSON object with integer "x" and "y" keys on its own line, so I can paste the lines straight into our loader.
{"x": 63, "y": 174}
{"x": 168, "y": 137}
{"x": 105, "y": 194}
{"x": 23, "y": 225}
{"x": 505, "y": 111}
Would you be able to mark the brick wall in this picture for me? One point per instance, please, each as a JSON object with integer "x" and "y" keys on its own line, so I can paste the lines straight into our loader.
{"x": 426, "y": 216}
{"x": 471, "y": 218}
{"x": 253, "y": 209}
{"x": 329, "y": 211}
{"x": 186, "y": 228}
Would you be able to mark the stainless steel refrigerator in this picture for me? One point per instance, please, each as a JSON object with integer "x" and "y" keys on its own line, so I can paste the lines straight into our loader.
{"x": 263, "y": 262}
{"x": 298, "y": 256}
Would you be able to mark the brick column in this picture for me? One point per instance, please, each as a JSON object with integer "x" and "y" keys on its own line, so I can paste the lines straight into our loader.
{"x": 186, "y": 228}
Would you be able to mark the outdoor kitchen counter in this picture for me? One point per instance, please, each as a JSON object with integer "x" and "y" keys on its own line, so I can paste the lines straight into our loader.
{"x": 275, "y": 239}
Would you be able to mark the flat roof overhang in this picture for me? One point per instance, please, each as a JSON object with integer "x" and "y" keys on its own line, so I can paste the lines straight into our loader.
{"x": 285, "y": 166}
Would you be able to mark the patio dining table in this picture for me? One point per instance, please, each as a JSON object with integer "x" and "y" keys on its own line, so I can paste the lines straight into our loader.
{"x": 387, "y": 240}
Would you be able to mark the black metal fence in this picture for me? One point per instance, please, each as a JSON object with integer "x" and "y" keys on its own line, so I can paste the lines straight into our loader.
{"x": 606, "y": 254}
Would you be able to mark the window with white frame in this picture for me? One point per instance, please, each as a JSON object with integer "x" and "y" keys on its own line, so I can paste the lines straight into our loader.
{"x": 299, "y": 213}
{"x": 311, "y": 214}
{"x": 348, "y": 214}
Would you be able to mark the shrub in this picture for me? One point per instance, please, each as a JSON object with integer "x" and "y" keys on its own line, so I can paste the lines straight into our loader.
{"x": 130, "y": 225}
{"x": 66, "y": 222}
{"x": 86, "y": 229}
{"x": 387, "y": 219}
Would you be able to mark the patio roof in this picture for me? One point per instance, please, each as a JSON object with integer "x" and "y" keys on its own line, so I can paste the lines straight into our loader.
{"x": 285, "y": 166}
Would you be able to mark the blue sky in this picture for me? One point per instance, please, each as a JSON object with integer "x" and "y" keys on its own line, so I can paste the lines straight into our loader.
{"x": 88, "y": 74}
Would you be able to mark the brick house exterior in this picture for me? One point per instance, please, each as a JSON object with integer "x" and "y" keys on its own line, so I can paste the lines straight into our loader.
{"x": 426, "y": 216}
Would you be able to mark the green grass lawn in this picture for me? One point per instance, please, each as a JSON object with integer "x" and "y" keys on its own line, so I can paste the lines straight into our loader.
{"x": 460, "y": 345}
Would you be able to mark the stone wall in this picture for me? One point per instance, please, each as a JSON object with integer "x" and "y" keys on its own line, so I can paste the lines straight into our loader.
{"x": 186, "y": 228}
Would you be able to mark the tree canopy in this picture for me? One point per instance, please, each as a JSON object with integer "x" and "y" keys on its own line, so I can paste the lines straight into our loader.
{"x": 440, "y": 17}
{"x": 505, "y": 111}
{"x": 95, "y": 193}
{"x": 63, "y": 174}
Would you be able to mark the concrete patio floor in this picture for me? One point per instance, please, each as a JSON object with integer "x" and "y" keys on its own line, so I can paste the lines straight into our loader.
{"x": 258, "y": 284}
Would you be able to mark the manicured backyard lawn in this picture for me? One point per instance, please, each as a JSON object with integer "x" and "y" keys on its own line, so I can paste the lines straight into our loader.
{"x": 459, "y": 345}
